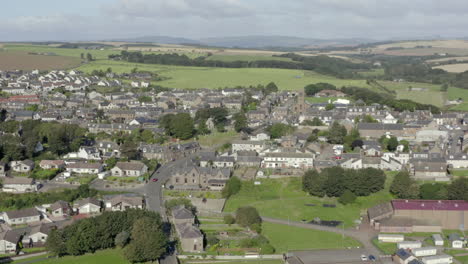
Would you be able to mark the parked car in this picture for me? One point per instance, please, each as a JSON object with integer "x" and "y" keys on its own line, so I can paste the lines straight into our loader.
{"x": 155, "y": 180}
{"x": 363, "y": 257}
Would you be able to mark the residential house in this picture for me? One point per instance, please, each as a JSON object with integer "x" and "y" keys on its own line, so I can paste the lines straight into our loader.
{"x": 123, "y": 202}
{"x": 240, "y": 145}
{"x": 191, "y": 239}
{"x": 60, "y": 209}
{"x": 377, "y": 130}
{"x": 84, "y": 168}
{"x": 52, "y": 164}
{"x": 455, "y": 240}
{"x": 22, "y": 216}
{"x": 87, "y": 206}
{"x": 194, "y": 177}
{"x": 429, "y": 169}
{"x": 288, "y": 160}
{"x": 129, "y": 169}
{"x": 22, "y": 165}
{"x": 9, "y": 241}
{"x": 38, "y": 233}
{"x": 18, "y": 185}
{"x": 330, "y": 93}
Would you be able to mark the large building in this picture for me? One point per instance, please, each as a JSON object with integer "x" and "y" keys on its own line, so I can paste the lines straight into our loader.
{"x": 408, "y": 216}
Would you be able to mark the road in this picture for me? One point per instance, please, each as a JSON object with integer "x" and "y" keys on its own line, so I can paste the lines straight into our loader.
{"x": 153, "y": 196}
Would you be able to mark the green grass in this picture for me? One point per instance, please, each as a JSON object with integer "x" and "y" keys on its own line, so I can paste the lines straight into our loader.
{"x": 270, "y": 261}
{"x": 459, "y": 173}
{"x": 462, "y": 259}
{"x": 454, "y": 93}
{"x": 82, "y": 179}
{"x": 216, "y": 139}
{"x": 385, "y": 248}
{"x": 285, "y": 238}
{"x": 109, "y": 256}
{"x": 284, "y": 199}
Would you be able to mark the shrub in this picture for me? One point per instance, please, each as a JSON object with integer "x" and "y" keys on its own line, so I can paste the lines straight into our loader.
{"x": 347, "y": 197}
{"x": 229, "y": 219}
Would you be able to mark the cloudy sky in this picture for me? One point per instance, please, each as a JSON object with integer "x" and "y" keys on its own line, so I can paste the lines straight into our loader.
{"x": 22, "y": 20}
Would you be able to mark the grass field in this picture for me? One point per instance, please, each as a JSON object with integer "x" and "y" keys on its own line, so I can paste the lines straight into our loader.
{"x": 385, "y": 248}
{"x": 217, "y": 139}
{"x": 109, "y": 256}
{"x": 246, "y": 58}
{"x": 284, "y": 199}
{"x": 285, "y": 238}
{"x": 455, "y": 93}
{"x": 457, "y": 68}
{"x": 460, "y": 173}
{"x": 270, "y": 261}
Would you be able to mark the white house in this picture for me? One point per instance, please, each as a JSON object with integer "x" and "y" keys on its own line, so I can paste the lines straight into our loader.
{"x": 23, "y": 216}
{"x": 8, "y": 241}
{"x": 87, "y": 206}
{"x": 438, "y": 240}
{"x": 87, "y": 153}
{"x": 455, "y": 240}
{"x": 123, "y": 202}
{"x": 288, "y": 160}
{"x": 424, "y": 251}
{"x": 22, "y": 165}
{"x": 129, "y": 169}
{"x": 391, "y": 238}
{"x": 239, "y": 145}
{"x": 84, "y": 168}
{"x": 409, "y": 244}
{"x": 439, "y": 259}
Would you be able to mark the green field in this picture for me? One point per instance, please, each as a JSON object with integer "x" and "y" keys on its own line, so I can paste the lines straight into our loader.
{"x": 455, "y": 93}
{"x": 285, "y": 238}
{"x": 271, "y": 261}
{"x": 108, "y": 256}
{"x": 385, "y": 248}
{"x": 284, "y": 199}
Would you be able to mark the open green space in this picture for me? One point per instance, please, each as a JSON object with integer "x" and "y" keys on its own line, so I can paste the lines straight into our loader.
{"x": 285, "y": 238}
{"x": 459, "y": 173}
{"x": 269, "y": 261}
{"x": 219, "y": 57}
{"x": 385, "y": 248}
{"x": 285, "y": 199}
{"x": 108, "y": 256}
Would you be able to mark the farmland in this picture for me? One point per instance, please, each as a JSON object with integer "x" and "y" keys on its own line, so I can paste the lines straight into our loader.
{"x": 114, "y": 256}
{"x": 457, "y": 68}
{"x": 23, "y": 60}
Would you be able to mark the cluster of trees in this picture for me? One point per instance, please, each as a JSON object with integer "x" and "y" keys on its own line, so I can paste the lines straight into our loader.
{"x": 22, "y": 138}
{"x": 248, "y": 216}
{"x": 404, "y": 187}
{"x": 180, "y": 125}
{"x": 322, "y": 64}
{"x": 218, "y": 115}
{"x": 391, "y": 143}
{"x": 10, "y": 201}
{"x": 139, "y": 232}
{"x": 370, "y": 97}
{"x": 279, "y": 130}
{"x": 339, "y": 182}
{"x": 233, "y": 186}
{"x": 312, "y": 89}
{"x": 337, "y": 134}
{"x": 101, "y": 73}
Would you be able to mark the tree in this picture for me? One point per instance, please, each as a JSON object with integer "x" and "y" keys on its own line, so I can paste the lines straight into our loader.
{"x": 357, "y": 143}
{"x": 229, "y": 219}
{"x": 130, "y": 150}
{"x": 82, "y": 56}
{"x": 337, "y": 133}
{"x": 404, "y": 187}
{"x": 329, "y": 107}
{"x": 148, "y": 241}
{"x": 247, "y": 216}
{"x": 347, "y": 197}
{"x": 314, "y": 183}
{"x": 202, "y": 128}
{"x": 312, "y": 89}
{"x": 182, "y": 126}
{"x": 369, "y": 119}
{"x": 392, "y": 144}
{"x": 122, "y": 239}
{"x": 458, "y": 189}
{"x": 433, "y": 191}
{"x": 89, "y": 57}
{"x": 173, "y": 203}
{"x": 240, "y": 122}
{"x": 278, "y": 130}
{"x": 271, "y": 88}
{"x": 55, "y": 243}
{"x": 233, "y": 186}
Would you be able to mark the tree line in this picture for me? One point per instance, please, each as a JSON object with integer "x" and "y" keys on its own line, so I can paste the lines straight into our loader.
{"x": 321, "y": 64}
{"x": 139, "y": 232}
{"x": 338, "y": 182}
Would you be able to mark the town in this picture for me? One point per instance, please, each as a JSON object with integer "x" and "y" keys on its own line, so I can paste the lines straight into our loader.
{"x": 78, "y": 147}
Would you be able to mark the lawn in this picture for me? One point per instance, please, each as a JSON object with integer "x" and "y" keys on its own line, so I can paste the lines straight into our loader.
{"x": 284, "y": 199}
{"x": 385, "y": 248}
{"x": 459, "y": 173}
{"x": 285, "y": 238}
{"x": 246, "y": 58}
{"x": 217, "y": 139}
{"x": 108, "y": 256}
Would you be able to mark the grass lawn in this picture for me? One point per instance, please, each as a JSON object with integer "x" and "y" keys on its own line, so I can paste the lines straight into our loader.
{"x": 217, "y": 139}
{"x": 108, "y": 256}
{"x": 285, "y": 238}
{"x": 233, "y": 57}
{"x": 284, "y": 198}
{"x": 462, "y": 259}
{"x": 459, "y": 173}
{"x": 385, "y": 248}
{"x": 81, "y": 179}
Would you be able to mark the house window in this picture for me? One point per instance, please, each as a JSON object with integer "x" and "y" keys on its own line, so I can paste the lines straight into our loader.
{"x": 185, "y": 180}
{"x": 176, "y": 180}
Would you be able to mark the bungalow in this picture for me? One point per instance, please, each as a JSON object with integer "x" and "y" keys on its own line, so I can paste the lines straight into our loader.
{"x": 19, "y": 185}
{"x": 455, "y": 240}
{"x": 123, "y": 202}
{"x": 87, "y": 206}
{"x": 22, "y": 165}
{"x": 84, "y": 168}
{"x": 239, "y": 145}
{"x": 39, "y": 233}
{"x": 52, "y": 164}
{"x": 23, "y": 216}
{"x": 129, "y": 169}
{"x": 60, "y": 208}
{"x": 8, "y": 241}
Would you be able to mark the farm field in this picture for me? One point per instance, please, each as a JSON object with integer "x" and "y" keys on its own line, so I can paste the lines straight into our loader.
{"x": 246, "y": 58}
{"x": 22, "y": 60}
{"x": 284, "y": 199}
{"x": 455, "y": 93}
{"x": 271, "y": 261}
{"x": 285, "y": 238}
{"x": 456, "y": 68}
{"x": 433, "y": 95}
{"x": 205, "y": 77}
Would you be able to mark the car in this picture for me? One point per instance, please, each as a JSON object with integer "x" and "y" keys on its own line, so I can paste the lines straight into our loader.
{"x": 372, "y": 258}
{"x": 155, "y": 180}
{"x": 363, "y": 257}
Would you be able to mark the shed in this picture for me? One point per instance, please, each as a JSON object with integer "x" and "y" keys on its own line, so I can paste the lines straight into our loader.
{"x": 438, "y": 240}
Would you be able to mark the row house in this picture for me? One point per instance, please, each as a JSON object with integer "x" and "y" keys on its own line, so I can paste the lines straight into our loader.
{"x": 288, "y": 160}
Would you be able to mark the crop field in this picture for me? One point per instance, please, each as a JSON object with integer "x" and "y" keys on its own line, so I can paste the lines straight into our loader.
{"x": 205, "y": 77}
{"x": 457, "y": 68}
{"x": 23, "y": 61}
{"x": 442, "y": 60}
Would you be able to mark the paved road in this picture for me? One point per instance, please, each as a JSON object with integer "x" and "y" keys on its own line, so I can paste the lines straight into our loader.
{"x": 153, "y": 196}
{"x": 363, "y": 236}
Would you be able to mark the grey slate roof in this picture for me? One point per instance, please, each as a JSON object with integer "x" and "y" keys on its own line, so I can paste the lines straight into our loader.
{"x": 28, "y": 212}
{"x": 182, "y": 213}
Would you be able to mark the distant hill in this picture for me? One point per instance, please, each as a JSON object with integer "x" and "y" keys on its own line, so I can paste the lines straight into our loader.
{"x": 255, "y": 42}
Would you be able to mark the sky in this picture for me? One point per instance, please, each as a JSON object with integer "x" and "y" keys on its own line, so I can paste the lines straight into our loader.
{"x": 65, "y": 20}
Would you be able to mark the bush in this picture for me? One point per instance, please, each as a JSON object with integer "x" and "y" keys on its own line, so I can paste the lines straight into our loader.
{"x": 41, "y": 174}
{"x": 122, "y": 239}
{"x": 229, "y": 219}
{"x": 232, "y": 187}
{"x": 267, "y": 249}
{"x": 347, "y": 197}
{"x": 247, "y": 216}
